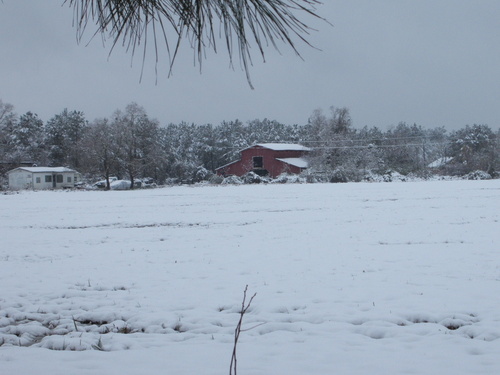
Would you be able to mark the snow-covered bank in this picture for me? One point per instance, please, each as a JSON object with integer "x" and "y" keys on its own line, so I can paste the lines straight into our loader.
{"x": 350, "y": 279}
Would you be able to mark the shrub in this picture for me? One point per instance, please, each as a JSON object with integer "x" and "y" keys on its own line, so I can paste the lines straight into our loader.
{"x": 232, "y": 180}
{"x": 478, "y": 175}
{"x": 253, "y": 178}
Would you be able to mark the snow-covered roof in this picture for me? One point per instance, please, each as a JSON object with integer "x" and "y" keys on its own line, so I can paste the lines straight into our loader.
{"x": 440, "y": 162}
{"x": 297, "y": 162}
{"x": 45, "y": 169}
{"x": 283, "y": 146}
{"x": 227, "y": 165}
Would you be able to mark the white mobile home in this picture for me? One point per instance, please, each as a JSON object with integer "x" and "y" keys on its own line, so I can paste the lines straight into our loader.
{"x": 39, "y": 178}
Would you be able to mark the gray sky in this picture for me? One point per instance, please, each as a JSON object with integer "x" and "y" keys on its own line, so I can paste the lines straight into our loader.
{"x": 430, "y": 62}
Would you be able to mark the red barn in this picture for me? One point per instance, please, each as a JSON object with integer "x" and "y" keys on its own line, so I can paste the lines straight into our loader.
{"x": 268, "y": 159}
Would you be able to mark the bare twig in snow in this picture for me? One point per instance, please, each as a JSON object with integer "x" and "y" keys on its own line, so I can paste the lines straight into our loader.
{"x": 238, "y": 330}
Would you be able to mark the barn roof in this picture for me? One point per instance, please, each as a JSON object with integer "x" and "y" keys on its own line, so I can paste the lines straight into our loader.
{"x": 296, "y": 162}
{"x": 228, "y": 164}
{"x": 282, "y": 146}
{"x": 45, "y": 169}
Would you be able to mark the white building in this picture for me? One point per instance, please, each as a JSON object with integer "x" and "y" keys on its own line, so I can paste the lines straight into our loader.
{"x": 38, "y": 178}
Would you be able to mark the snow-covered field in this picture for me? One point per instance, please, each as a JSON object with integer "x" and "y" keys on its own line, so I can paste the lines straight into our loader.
{"x": 399, "y": 278}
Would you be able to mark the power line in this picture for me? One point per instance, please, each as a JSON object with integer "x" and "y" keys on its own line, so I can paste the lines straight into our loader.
{"x": 370, "y": 145}
{"x": 381, "y": 146}
{"x": 370, "y": 139}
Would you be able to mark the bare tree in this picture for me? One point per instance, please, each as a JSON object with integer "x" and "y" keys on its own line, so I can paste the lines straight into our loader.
{"x": 7, "y": 113}
{"x": 134, "y": 138}
{"x": 100, "y": 154}
{"x": 133, "y": 22}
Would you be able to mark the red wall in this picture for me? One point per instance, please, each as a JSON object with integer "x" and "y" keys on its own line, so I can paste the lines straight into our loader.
{"x": 273, "y": 166}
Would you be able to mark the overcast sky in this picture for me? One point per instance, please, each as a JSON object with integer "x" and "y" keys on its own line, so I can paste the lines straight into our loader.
{"x": 430, "y": 62}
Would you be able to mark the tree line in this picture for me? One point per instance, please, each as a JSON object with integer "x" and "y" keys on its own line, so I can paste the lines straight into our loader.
{"x": 132, "y": 145}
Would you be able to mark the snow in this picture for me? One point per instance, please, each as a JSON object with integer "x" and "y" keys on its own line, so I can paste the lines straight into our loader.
{"x": 367, "y": 278}
{"x": 440, "y": 162}
{"x": 298, "y": 162}
{"x": 45, "y": 169}
{"x": 120, "y": 185}
{"x": 283, "y": 146}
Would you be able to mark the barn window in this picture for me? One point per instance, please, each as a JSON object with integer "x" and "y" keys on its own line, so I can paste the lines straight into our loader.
{"x": 59, "y": 178}
{"x": 258, "y": 162}
{"x": 68, "y": 179}
{"x": 48, "y": 178}
{"x": 38, "y": 180}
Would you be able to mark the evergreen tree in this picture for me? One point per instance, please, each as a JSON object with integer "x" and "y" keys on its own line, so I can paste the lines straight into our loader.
{"x": 27, "y": 139}
{"x": 8, "y": 120}
{"x": 474, "y": 147}
{"x": 64, "y": 136}
{"x": 136, "y": 22}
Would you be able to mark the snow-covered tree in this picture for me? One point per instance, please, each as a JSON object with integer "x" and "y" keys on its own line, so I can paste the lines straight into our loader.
{"x": 7, "y": 114}
{"x": 64, "y": 135}
{"x": 8, "y": 119}
{"x": 475, "y": 147}
{"x": 135, "y": 139}
{"x": 27, "y": 139}
{"x": 369, "y": 153}
{"x": 100, "y": 151}
{"x": 269, "y": 131}
{"x": 206, "y": 148}
{"x": 231, "y": 138}
{"x": 332, "y": 139}
{"x": 404, "y": 148}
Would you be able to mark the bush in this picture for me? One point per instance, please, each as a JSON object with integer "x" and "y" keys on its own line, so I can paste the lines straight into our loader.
{"x": 216, "y": 179}
{"x": 478, "y": 175}
{"x": 289, "y": 179}
{"x": 343, "y": 175}
{"x": 202, "y": 174}
{"x": 316, "y": 177}
{"x": 339, "y": 175}
{"x": 232, "y": 180}
{"x": 254, "y": 178}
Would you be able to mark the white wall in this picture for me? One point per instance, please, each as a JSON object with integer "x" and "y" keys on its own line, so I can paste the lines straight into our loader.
{"x": 19, "y": 180}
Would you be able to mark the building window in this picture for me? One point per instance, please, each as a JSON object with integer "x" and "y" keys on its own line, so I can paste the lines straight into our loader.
{"x": 68, "y": 179}
{"x": 258, "y": 162}
{"x": 75, "y": 179}
{"x": 59, "y": 178}
{"x": 48, "y": 178}
{"x": 38, "y": 180}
